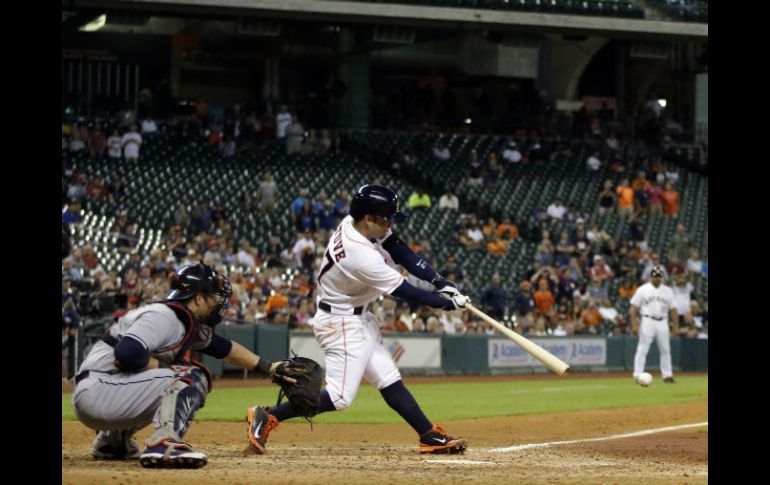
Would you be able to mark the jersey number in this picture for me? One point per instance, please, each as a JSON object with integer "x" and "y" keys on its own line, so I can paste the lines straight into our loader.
{"x": 327, "y": 266}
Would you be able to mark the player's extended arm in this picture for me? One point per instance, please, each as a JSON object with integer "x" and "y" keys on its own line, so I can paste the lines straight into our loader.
{"x": 416, "y": 265}
{"x": 674, "y": 321}
{"x": 244, "y": 358}
{"x": 449, "y": 302}
{"x": 634, "y": 314}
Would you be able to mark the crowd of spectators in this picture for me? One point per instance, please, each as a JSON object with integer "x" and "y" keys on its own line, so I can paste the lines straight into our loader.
{"x": 567, "y": 290}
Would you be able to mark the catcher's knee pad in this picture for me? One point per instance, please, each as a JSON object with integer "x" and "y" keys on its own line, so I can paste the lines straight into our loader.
{"x": 180, "y": 402}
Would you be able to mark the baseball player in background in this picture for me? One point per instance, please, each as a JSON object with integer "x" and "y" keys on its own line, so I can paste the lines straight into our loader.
{"x": 653, "y": 302}
{"x": 141, "y": 372}
{"x": 359, "y": 266}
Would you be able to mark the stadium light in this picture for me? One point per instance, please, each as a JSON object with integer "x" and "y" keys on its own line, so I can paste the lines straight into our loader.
{"x": 467, "y": 121}
{"x": 94, "y": 25}
{"x": 662, "y": 103}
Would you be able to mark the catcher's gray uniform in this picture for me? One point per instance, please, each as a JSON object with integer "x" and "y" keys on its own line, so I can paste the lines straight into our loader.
{"x": 117, "y": 403}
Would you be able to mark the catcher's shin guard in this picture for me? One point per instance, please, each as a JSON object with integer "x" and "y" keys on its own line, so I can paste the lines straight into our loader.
{"x": 178, "y": 406}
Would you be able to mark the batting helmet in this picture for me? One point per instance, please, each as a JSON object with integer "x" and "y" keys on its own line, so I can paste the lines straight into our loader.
{"x": 199, "y": 278}
{"x": 376, "y": 200}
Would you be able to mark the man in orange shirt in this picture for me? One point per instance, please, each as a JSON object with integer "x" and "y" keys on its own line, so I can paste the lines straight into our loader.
{"x": 497, "y": 246}
{"x": 590, "y": 316}
{"x": 625, "y": 198}
{"x": 670, "y": 201}
{"x": 507, "y": 227}
{"x": 544, "y": 298}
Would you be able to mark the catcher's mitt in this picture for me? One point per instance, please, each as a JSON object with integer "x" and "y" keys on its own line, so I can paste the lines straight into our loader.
{"x": 300, "y": 380}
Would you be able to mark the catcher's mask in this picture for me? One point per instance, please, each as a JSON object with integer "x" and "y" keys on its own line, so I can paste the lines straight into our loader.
{"x": 199, "y": 278}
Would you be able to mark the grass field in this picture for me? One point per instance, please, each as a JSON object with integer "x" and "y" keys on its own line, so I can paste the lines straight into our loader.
{"x": 456, "y": 401}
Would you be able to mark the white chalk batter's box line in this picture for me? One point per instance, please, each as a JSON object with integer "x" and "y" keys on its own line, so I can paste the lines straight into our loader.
{"x": 517, "y": 447}
{"x": 603, "y": 438}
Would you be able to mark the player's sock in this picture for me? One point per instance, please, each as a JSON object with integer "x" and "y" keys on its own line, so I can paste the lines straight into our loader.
{"x": 401, "y": 400}
{"x": 286, "y": 411}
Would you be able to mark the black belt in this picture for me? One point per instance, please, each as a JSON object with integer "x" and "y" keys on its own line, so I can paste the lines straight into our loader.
{"x": 81, "y": 376}
{"x": 654, "y": 318}
{"x": 328, "y": 309}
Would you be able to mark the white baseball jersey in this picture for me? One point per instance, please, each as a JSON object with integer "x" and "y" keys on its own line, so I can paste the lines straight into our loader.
{"x": 653, "y": 302}
{"x": 654, "y": 305}
{"x": 355, "y": 270}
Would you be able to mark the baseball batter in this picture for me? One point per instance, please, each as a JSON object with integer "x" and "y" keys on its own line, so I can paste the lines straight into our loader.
{"x": 141, "y": 372}
{"x": 654, "y": 301}
{"x": 359, "y": 266}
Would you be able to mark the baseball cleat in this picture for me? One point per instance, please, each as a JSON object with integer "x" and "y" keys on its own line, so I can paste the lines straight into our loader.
{"x": 260, "y": 424}
{"x": 668, "y": 380}
{"x": 437, "y": 441}
{"x": 115, "y": 445}
{"x": 168, "y": 453}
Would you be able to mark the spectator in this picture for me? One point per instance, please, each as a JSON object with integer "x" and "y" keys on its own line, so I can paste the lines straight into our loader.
{"x": 489, "y": 227}
{"x": 493, "y": 172}
{"x": 419, "y": 199}
{"x": 271, "y": 252}
{"x": 441, "y": 152}
{"x": 524, "y": 304}
{"x": 593, "y": 162}
{"x": 544, "y": 299}
{"x": 114, "y": 145}
{"x": 606, "y": 198}
{"x": 671, "y": 201}
{"x": 680, "y": 244}
{"x": 77, "y": 190}
{"x": 497, "y": 246}
{"x": 600, "y": 270}
{"x": 625, "y": 199}
{"x": 651, "y": 262}
{"x": 72, "y": 214}
{"x": 694, "y": 263}
{"x": 450, "y": 267}
{"x": 96, "y": 189}
{"x": 97, "y": 142}
{"x": 512, "y": 153}
{"x": 295, "y": 133}
{"x": 266, "y": 193}
{"x": 597, "y": 290}
{"x": 127, "y": 241}
{"x": 131, "y": 143}
{"x": 342, "y": 204}
{"x": 507, "y": 230}
{"x": 564, "y": 250}
{"x": 683, "y": 289}
{"x": 474, "y": 170}
{"x": 449, "y": 201}
{"x": 181, "y": 216}
{"x": 544, "y": 254}
{"x": 627, "y": 289}
{"x": 245, "y": 256}
{"x": 556, "y": 210}
{"x": 590, "y": 316}
{"x": 201, "y": 218}
{"x": 299, "y": 202}
{"x": 326, "y": 218}
{"x": 227, "y": 146}
{"x": 494, "y": 299}
{"x": 306, "y": 220}
{"x": 303, "y": 249}
{"x": 655, "y": 198}
{"x": 77, "y": 143}
{"x": 282, "y": 120}
{"x": 149, "y": 126}
{"x": 69, "y": 270}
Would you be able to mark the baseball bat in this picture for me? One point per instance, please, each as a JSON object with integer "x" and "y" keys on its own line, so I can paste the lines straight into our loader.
{"x": 551, "y": 361}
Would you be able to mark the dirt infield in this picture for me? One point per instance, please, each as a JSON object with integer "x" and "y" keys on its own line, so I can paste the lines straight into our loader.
{"x": 386, "y": 453}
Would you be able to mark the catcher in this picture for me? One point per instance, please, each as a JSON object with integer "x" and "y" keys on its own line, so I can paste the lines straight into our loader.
{"x": 141, "y": 372}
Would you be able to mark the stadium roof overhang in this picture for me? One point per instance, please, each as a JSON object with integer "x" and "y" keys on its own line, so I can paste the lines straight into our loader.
{"x": 411, "y": 15}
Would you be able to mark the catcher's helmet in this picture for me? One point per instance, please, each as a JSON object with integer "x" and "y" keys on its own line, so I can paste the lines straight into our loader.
{"x": 199, "y": 278}
{"x": 378, "y": 201}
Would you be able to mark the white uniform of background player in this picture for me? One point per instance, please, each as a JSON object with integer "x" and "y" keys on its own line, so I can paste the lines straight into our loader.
{"x": 653, "y": 302}
{"x": 359, "y": 266}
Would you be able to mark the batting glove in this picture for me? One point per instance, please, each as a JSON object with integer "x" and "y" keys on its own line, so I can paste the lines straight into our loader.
{"x": 456, "y": 300}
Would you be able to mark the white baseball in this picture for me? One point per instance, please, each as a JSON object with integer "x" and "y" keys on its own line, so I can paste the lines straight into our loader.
{"x": 644, "y": 379}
